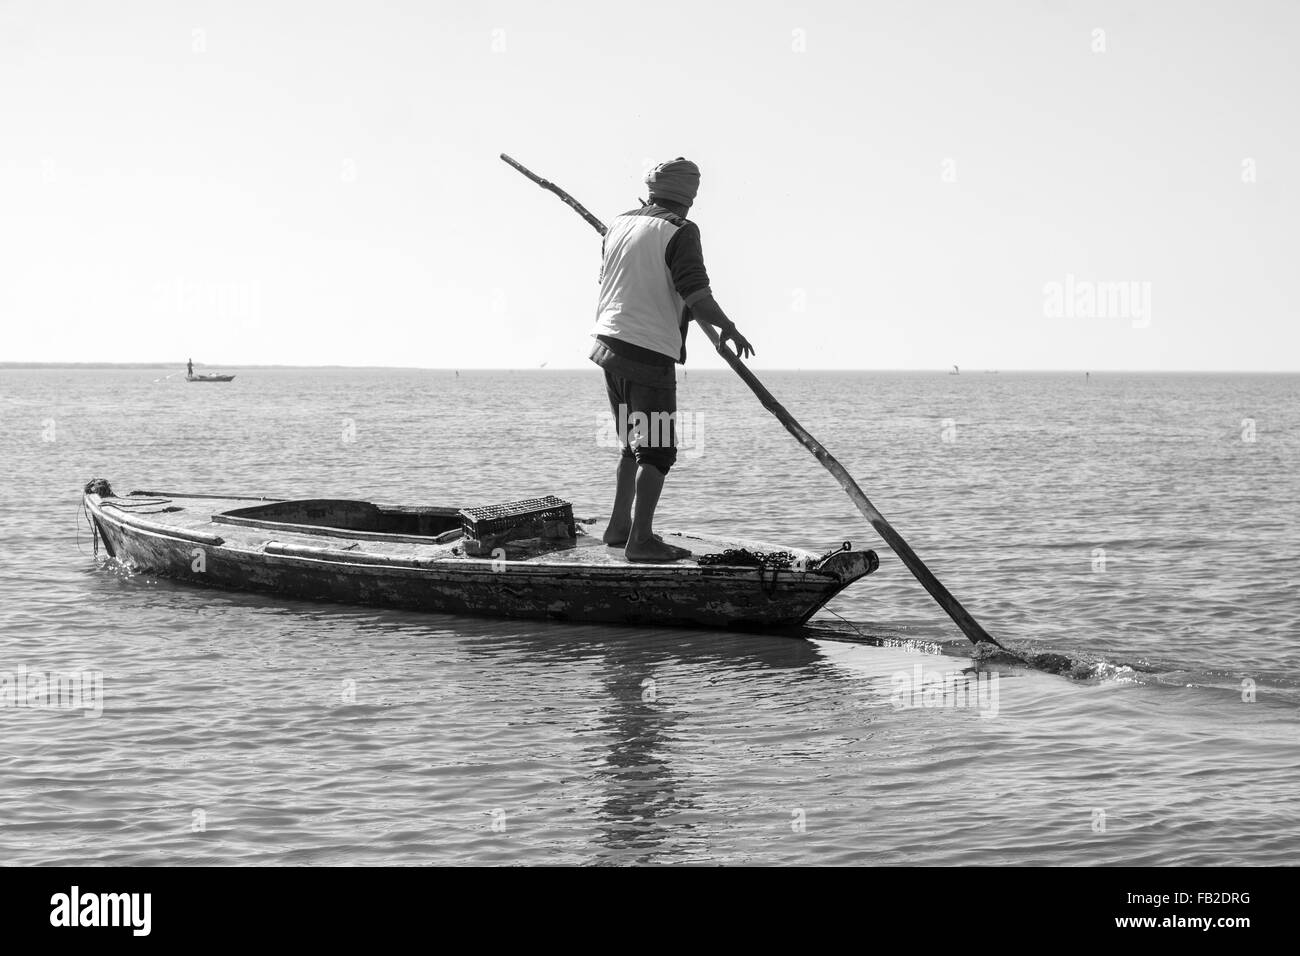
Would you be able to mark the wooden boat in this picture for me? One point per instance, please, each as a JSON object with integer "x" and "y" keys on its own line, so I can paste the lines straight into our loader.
{"x": 414, "y": 557}
{"x": 211, "y": 377}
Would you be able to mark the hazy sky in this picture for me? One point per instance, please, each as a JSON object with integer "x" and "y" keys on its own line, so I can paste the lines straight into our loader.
{"x": 885, "y": 185}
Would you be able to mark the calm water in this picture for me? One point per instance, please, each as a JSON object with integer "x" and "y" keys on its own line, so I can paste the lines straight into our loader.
{"x": 242, "y": 729}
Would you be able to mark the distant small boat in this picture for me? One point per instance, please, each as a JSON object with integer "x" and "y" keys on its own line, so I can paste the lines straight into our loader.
{"x": 418, "y": 558}
{"x": 955, "y": 371}
{"x": 209, "y": 378}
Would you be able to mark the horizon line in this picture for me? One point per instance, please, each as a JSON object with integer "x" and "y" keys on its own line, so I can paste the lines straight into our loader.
{"x": 592, "y": 368}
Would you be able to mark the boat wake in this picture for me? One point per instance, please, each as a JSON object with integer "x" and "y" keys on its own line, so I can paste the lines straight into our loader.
{"x": 1076, "y": 665}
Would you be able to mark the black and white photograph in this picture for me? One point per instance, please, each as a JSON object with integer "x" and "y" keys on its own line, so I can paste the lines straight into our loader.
{"x": 588, "y": 434}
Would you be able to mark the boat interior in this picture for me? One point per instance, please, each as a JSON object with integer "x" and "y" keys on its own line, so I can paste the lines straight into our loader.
{"x": 346, "y": 515}
{"x": 415, "y": 529}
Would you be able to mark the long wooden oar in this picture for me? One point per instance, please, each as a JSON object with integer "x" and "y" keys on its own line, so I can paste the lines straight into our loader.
{"x": 969, "y": 626}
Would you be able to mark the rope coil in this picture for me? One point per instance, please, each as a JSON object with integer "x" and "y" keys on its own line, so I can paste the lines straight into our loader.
{"x": 745, "y": 558}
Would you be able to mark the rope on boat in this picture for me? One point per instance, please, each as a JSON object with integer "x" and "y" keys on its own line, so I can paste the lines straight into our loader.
{"x": 865, "y": 639}
{"x": 916, "y": 645}
{"x": 745, "y": 558}
{"x": 94, "y": 531}
{"x": 769, "y": 560}
{"x": 96, "y": 486}
{"x": 774, "y": 561}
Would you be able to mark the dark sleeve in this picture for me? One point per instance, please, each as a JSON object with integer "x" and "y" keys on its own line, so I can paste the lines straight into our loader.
{"x": 685, "y": 258}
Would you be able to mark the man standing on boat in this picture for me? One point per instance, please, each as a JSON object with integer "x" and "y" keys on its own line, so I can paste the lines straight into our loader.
{"x": 653, "y": 282}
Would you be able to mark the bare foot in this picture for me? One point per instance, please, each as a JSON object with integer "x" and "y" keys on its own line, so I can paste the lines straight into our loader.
{"x": 654, "y": 550}
{"x": 616, "y": 534}
{"x": 621, "y": 541}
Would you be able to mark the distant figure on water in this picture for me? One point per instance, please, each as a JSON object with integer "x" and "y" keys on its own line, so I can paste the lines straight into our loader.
{"x": 189, "y": 368}
{"x": 652, "y": 283}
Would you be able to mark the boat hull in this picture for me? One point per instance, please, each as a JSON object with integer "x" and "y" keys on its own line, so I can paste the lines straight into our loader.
{"x": 588, "y": 585}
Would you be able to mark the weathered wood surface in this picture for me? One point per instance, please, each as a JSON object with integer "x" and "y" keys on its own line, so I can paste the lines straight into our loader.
{"x": 583, "y": 580}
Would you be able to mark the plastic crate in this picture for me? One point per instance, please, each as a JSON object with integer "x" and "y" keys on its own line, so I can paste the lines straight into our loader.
{"x": 493, "y": 521}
